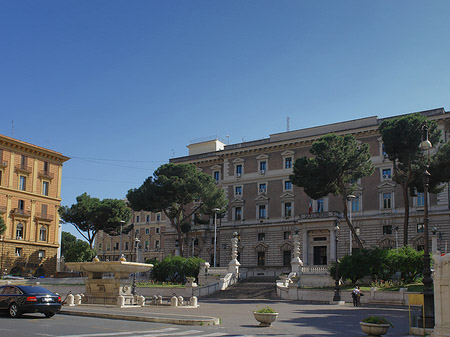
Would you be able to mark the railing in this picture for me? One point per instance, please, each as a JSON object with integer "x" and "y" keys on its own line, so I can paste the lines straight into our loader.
{"x": 18, "y": 211}
{"x": 46, "y": 174}
{"x": 315, "y": 269}
{"x": 44, "y": 216}
{"x": 23, "y": 168}
{"x": 319, "y": 215}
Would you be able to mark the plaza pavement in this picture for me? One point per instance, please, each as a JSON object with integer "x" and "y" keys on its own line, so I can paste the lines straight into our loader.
{"x": 235, "y": 316}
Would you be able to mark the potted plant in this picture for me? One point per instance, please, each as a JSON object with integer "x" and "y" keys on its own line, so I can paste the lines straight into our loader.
{"x": 375, "y": 325}
{"x": 265, "y": 316}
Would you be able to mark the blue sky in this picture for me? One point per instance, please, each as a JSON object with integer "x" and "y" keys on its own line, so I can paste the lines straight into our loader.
{"x": 123, "y": 86}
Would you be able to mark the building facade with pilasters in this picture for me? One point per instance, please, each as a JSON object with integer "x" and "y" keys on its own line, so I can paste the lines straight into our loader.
{"x": 265, "y": 208}
{"x": 30, "y": 195}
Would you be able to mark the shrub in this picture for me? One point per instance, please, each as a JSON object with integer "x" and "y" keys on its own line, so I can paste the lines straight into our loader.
{"x": 266, "y": 310}
{"x": 176, "y": 269}
{"x": 376, "y": 320}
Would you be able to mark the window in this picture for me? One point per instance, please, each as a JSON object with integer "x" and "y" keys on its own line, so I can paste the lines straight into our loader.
{"x": 319, "y": 205}
{"x": 420, "y": 228}
{"x": 100, "y": 246}
{"x": 126, "y": 245}
{"x": 261, "y": 236}
{"x": 41, "y": 254}
{"x": 387, "y": 173}
{"x": 387, "y": 200}
{"x": 387, "y": 230}
{"x": 19, "y": 231}
{"x": 238, "y": 213}
{"x": 158, "y": 217}
{"x": 288, "y": 185}
{"x": 137, "y": 231}
{"x": 262, "y": 167}
{"x": 18, "y": 252}
{"x": 45, "y": 186}
{"x": 21, "y": 205}
{"x": 238, "y": 170}
{"x": 46, "y": 167}
{"x": 116, "y": 246}
{"x": 238, "y": 190}
{"x": 147, "y": 219}
{"x": 43, "y": 233}
{"x": 287, "y": 209}
{"x": 262, "y": 188}
{"x": 288, "y": 162}
{"x": 156, "y": 244}
{"x": 217, "y": 176}
{"x": 157, "y": 230}
{"x": 420, "y": 199}
{"x": 146, "y": 245}
{"x": 355, "y": 204}
{"x": 287, "y": 258}
{"x": 287, "y": 235}
{"x": 1, "y": 172}
{"x": 147, "y": 231}
{"x": 22, "y": 183}
{"x": 383, "y": 151}
{"x": 261, "y": 259}
{"x": 138, "y": 218}
{"x": 262, "y": 211}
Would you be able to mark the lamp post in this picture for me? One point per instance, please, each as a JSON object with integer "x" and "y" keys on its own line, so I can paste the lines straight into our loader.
{"x": 215, "y": 210}
{"x": 121, "y": 229}
{"x": 1, "y": 264}
{"x": 337, "y": 294}
{"x": 349, "y": 199}
{"x": 428, "y": 294}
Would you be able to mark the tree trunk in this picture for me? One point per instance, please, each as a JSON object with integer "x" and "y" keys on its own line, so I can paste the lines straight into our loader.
{"x": 350, "y": 225}
{"x": 406, "y": 218}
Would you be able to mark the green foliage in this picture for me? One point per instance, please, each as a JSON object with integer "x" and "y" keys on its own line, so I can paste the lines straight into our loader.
{"x": 377, "y": 320}
{"x": 401, "y": 140}
{"x": 380, "y": 264}
{"x": 176, "y": 269}
{"x": 2, "y": 226}
{"x": 75, "y": 250}
{"x": 337, "y": 162}
{"x": 90, "y": 215}
{"x": 266, "y": 310}
{"x": 173, "y": 190}
{"x": 406, "y": 260}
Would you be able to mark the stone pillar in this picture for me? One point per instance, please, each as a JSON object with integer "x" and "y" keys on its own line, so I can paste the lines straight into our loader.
{"x": 193, "y": 301}
{"x": 120, "y": 301}
{"x": 441, "y": 296}
{"x": 70, "y": 300}
{"x": 296, "y": 263}
{"x": 233, "y": 266}
{"x": 305, "y": 246}
{"x": 174, "y": 301}
{"x": 77, "y": 299}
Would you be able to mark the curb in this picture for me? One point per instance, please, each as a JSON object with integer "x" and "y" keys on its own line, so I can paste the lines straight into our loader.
{"x": 179, "y": 321}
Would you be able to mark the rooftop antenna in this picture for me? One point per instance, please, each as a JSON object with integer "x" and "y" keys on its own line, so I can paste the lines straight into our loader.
{"x": 288, "y": 124}
{"x": 173, "y": 153}
{"x": 12, "y": 128}
{"x": 228, "y": 139}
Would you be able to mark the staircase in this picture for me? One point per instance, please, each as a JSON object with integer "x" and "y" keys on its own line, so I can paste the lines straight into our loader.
{"x": 248, "y": 289}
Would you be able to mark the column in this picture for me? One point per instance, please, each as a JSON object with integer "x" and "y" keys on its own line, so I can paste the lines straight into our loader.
{"x": 305, "y": 247}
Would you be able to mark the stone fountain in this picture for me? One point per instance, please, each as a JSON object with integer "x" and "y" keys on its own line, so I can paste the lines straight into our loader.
{"x": 106, "y": 290}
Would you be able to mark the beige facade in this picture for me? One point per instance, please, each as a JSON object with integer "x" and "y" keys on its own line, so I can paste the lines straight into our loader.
{"x": 265, "y": 208}
{"x": 148, "y": 229}
{"x": 30, "y": 195}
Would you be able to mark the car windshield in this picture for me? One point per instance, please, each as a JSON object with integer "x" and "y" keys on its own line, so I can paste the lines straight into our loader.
{"x": 35, "y": 290}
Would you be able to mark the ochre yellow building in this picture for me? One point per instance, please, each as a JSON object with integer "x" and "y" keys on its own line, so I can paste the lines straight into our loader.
{"x": 30, "y": 195}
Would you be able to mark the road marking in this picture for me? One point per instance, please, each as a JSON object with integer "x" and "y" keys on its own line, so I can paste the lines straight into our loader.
{"x": 124, "y": 333}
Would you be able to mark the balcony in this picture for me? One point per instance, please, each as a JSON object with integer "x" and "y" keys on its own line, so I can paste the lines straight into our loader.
{"x": 3, "y": 164}
{"x": 319, "y": 215}
{"x": 23, "y": 168}
{"x": 46, "y": 174}
{"x": 44, "y": 216}
{"x": 21, "y": 212}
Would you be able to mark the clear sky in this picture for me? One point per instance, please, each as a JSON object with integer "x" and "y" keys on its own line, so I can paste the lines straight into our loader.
{"x": 123, "y": 86}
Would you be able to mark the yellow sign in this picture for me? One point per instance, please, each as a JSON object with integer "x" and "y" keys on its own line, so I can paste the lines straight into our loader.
{"x": 416, "y": 299}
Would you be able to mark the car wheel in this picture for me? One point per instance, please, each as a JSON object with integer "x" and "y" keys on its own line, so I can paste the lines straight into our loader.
{"x": 49, "y": 314}
{"x": 14, "y": 310}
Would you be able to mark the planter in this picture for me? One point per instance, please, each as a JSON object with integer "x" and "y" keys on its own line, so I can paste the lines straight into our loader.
{"x": 265, "y": 319}
{"x": 374, "y": 330}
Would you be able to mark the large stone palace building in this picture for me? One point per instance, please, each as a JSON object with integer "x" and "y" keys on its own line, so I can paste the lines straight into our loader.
{"x": 30, "y": 195}
{"x": 265, "y": 208}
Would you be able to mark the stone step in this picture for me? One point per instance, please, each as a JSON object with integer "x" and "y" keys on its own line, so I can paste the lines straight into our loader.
{"x": 248, "y": 290}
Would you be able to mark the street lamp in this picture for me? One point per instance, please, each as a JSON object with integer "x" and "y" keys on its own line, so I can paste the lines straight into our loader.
{"x": 428, "y": 295}
{"x": 337, "y": 294}
{"x": 215, "y": 210}
{"x": 121, "y": 228}
{"x": 1, "y": 264}
{"x": 349, "y": 199}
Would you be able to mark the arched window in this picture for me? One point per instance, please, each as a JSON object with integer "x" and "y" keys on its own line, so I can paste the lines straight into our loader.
{"x": 43, "y": 233}
{"x": 19, "y": 231}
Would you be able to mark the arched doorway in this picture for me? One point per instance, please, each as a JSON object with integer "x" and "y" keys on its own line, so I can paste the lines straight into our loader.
{"x": 17, "y": 271}
{"x": 40, "y": 272}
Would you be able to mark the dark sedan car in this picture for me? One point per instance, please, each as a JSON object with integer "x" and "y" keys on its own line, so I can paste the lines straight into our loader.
{"x": 18, "y": 299}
